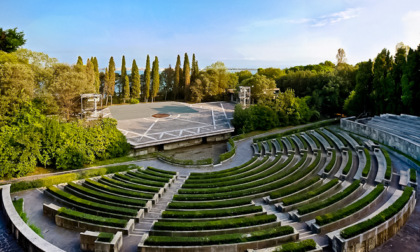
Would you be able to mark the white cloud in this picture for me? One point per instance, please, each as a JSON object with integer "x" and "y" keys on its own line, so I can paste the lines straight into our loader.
{"x": 330, "y": 18}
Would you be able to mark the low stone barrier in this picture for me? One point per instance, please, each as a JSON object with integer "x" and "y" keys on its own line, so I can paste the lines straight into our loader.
{"x": 378, "y": 235}
{"x": 24, "y": 235}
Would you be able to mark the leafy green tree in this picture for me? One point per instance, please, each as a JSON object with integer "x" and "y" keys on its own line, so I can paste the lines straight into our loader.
{"x": 243, "y": 75}
{"x": 272, "y": 73}
{"x": 97, "y": 80}
{"x": 168, "y": 77}
{"x": 155, "y": 83}
{"x": 126, "y": 88}
{"x": 90, "y": 75}
{"x": 382, "y": 65}
{"x": 410, "y": 82}
{"x": 123, "y": 74}
{"x": 135, "y": 80}
{"x": 261, "y": 87}
{"x": 111, "y": 72}
{"x": 187, "y": 76}
{"x": 147, "y": 80}
{"x": 11, "y": 40}
{"x": 177, "y": 77}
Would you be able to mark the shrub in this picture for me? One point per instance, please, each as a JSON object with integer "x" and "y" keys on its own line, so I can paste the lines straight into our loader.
{"x": 214, "y": 224}
{"x": 366, "y": 169}
{"x": 350, "y": 209}
{"x": 304, "y": 196}
{"x": 105, "y": 196}
{"x": 121, "y": 191}
{"x": 329, "y": 201}
{"x": 136, "y": 187}
{"x": 161, "y": 171}
{"x": 138, "y": 179}
{"x": 209, "y": 204}
{"x": 207, "y": 175}
{"x": 76, "y": 215}
{"x": 349, "y": 162}
{"x": 332, "y": 161}
{"x": 93, "y": 205}
{"x": 388, "y": 171}
{"x": 105, "y": 237}
{"x": 305, "y": 144}
{"x": 219, "y": 239}
{"x": 293, "y": 188}
{"x": 18, "y": 204}
{"x": 413, "y": 175}
{"x": 383, "y": 216}
{"x": 174, "y": 160}
{"x": 211, "y": 213}
{"x": 141, "y": 174}
{"x": 133, "y": 101}
{"x": 300, "y": 246}
{"x": 206, "y": 161}
{"x": 227, "y": 155}
{"x": 330, "y": 142}
{"x": 157, "y": 174}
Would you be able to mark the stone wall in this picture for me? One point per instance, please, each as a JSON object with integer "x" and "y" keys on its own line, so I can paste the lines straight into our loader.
{"x": 25, "y": 236}
{"x": 403, "y": 145}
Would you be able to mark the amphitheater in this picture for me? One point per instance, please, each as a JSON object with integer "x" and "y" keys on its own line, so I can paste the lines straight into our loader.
{"x": 331, "y": 188}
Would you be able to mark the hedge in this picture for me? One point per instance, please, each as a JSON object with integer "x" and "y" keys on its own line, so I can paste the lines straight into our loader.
{"x": 309, "y": 208}
{"x": 64, "y": 178}
{"x": 18, "y": 204}
{"x": 366, "y": 170}
{"x": 226, "y": 176}
{"x": 157, "y": 174}
{"x": 229, "y": 154}
{"x": 268, "y": 184}
{"x": 206, "y": 175}
{"x": 219, "y": 239}
{"x": 413, "y": 175}
{"x": 388, "y": 171}
{"x": 358, "y": 140}
{"x": 172, "y": 173}
{"x": 236, "y": 181}
{"x": 139, "y": 180}
{"x": 342, "y": 139}
{"x": 209, "y": 204}
{"x": 76, "y": 215}
{"x": 332, "y": 162}
{"x": 214, "y": 224}
{"x": 305, "y": 144}
{"x": 326, "y": 137}
{"x": 175, "y": 161}
{"x": 280, "y": 143}
{"x": 212, "y": 213}
{"x": 304, "y": 196}
{"x": 293, "y": 188}
{"x": 117, "y": 190}
{"x": 300, "y": 246}
{"x": 364, "y": 226}
{"x": 350, "y": 209}
{"x": 93, "y": 205}
{"x": 142, "y": 175}
{"x": 292, "y": 143}
{"x": 318, "y": 144}
{"x": 105, "y": 196}
{"x": 293, "y": 131}
{"x": 130, "y": 185}
{"x": 105, "y": 237}
{"x": 349, "y": 163}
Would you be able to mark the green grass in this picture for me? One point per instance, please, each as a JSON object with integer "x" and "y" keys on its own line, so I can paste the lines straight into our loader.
{"x": 136, "y": 186}
{"x": 388, "y": 171}
{"x": 105, "y": 237}
{"x": 350, "y": 209}
{"x": 18, "y": 204}
{"x": 294, "y": 188}
{"x": 304, "y": 196}
{"x": 219, "y": 239}
{"x": 413, "y": 175}
{"x": 299, "y": 246}
{"x": 349, "y": 162}
{"x": 214, "y": 224}
{"x": 292, "y": 143}
{"x": 305, "y": 144}
{"x": 211, "y": 213}
{"x": 117, "y": 190}
{"x": 332, "y": 162}
{"x": 76, "y": 215}
{"x": 383, "y": 216}
{"x": 209, "y": 175}
{"x": 366, "y": 169}
{"x": 138, "y": 180}
{"x": 209, "y": 204}
{"x": 309, "y": 208}
{"x": 172, "y": 173}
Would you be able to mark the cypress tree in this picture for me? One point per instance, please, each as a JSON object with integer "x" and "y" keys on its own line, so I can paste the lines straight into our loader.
{"x": 147, "y": 80}
{"x": 126, "y": 88}
{"x": 155, "y": 84}
{"x": 96, "y": 69}
{"x": 123, "y": 74}
{"x": 106, "y": 85}
{"x": 177, "y": 77}
{"x": 194, "y": 69}
{"x": 135, "y": 80}
{"x": 187, "y": 76}
{"x": 90, "y": 74}
{"x": 111, "y": 72}
{"x": 79, "y": 61}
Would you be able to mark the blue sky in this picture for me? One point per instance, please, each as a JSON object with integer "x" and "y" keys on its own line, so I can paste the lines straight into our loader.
{"x": 238, "y": 32}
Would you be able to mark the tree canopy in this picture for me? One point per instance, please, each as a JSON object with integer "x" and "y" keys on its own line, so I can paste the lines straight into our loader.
{"x": 11, "y": 40}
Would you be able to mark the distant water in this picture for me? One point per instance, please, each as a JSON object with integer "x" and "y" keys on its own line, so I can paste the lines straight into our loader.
{"x": 7, "y": 242}
{"x": 253, "y": 71}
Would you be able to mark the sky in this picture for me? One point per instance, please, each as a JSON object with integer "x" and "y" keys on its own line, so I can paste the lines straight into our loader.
{"x": 240, "y": 33}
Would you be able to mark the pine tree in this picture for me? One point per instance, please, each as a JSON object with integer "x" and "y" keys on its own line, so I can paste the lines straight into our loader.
{"x": 135, "y": 80}
{"x": 96, "y": 69}
{"x": 147, "y": 80}
{"x": 155, "y": 84}
{"x": 123, "y": 74}
{"x": 177, "y": 77}
{"x": 79, "y": 61}
{"x": 187, "y": 77}
{"x": 126, "y": 88}
{"x": 111, "y": 76}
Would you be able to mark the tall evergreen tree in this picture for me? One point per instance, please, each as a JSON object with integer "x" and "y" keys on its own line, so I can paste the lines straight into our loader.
{"x": 187, "y": 76}
{"x": 106, "y": 86}
{"x": 382, "y": 65}
{"x": 122, "y": 77}
{"x": 90, "y": 74}
{"x": 135, "y": 80}
{"x": 147, "y": 79}
{"x": 194, "y": 69}
{"x": 411, "y": 83}
{"x": 126, "y": 88}
{"x": 79, "y": 61}
{"x": 177, "y": 77}
{"x": 111, "y": 72}
{"x": 155, "y": 84}
{"x": 97, "y": 79}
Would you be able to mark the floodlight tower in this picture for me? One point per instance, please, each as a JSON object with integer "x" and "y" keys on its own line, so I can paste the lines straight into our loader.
{"x": 245, "y": 96}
